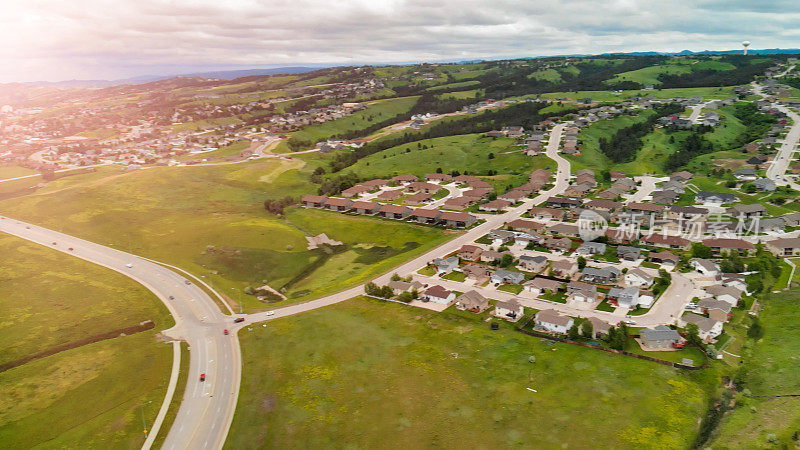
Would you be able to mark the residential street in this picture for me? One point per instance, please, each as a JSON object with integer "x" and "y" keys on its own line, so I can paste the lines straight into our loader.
{"x": 778, "y": 167}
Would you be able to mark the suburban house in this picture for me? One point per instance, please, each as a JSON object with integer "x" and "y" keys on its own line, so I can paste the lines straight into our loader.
{"x": 558, "y": 244}
{"x": 708, "y": 328}
{"x": 603, "y": 205}
{"x": 646, "y": 209}
{"x": 394, "y": 211}
{"x": 423, "y": 187}
{"x": 457, "y": 219}
{"x": 472, "y": 301}
{"x": 628, "y": 253}
{"x": 664, "y": 258}
{"x": 439, "y": 178}
{"x": 469, "y": 252}
{"x": 687, "y": 212}
{"x": 494, "y": 205}
{"x": 375, "y": 184}
{"x": 604, "y": 275}
{"x": 747, "y": 211}
{"x": 428, "y": 216}
{"x": 624, "y": 297}
{"x": 512, "y": 196}
{"x": 445, "y": 265}
{"x": 714, "y": 198}
{"x": 599, "y": 327}
{"x": 660, "y": 336}
{"x": 337, "y": 204}
{"x": 582, "y": 292}
{"x": 784, "y": 247}
{"x": 313, "y": 201}
{"x": 553, "y": 321}
{"x": 540, "y": 285}
{"x": 542, "y": 213}
{"x": 391, "y": 195}
{"x": 718, "y": 245}
{"x": 591, "y": 248}
{"x": 398, "y": 287}
{"x": 718, "y": 310}
{"x": 501, "y": 237}
{"x": 525, "y": 225}
{"x": 532, "y": 263}
{"x": 438, "y": 294}
{"x": 490, "y": 256}
{"x": 704, "y": 267}
{"x": 405, "y": 179}
{"x": 418, "y": 198}
{"x": 501, "y": 276}
{"x": 563, "y": 268}
{"x": 362, "y": 207}
{"x": 476, "y": 272}
{"x": 639, "y": 278}
{"x": 355, "y": 191}
{"x": 682, "y": 176}
{"x": 563, "y": 202}
{"x": 564, "y": 229}
{"x": 510, "y": 310}
{"x": 660, "y": 240}
{"x": 727, "y": 294}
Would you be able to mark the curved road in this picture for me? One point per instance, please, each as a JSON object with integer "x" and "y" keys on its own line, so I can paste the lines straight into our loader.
{"x": 207, "y": 407}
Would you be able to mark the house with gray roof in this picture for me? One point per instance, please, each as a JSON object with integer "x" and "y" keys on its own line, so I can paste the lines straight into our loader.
{"x": 708, "y": 328}
{"x": 604, "y": 275}
{"x": 445, "y": 265}
{"x": 660, "y": 337}
{"x": 553, "y": 321}
{"x": 501, "y": 276}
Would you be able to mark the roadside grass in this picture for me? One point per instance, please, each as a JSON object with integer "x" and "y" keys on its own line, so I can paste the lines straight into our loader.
{"x": 468, "y": 153}
{"x": 209, "y": 220}
{"x": 49, "y": 298}
{"x": 377, "y": 111}
{"x": 771, "y": 369}
{"x": 455, "y": 276}
{"x": 512, "y": 288}
{"x": 353, "y": 373}
{"x": 93, "y": 396}
{"x": 177, "y": 397}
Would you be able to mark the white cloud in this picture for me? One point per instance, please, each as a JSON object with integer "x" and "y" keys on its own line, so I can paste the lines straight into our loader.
{"x": 50, "y": 39}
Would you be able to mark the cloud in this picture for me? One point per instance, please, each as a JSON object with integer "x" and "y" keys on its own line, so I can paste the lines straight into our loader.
{"x": 49, "y": 39}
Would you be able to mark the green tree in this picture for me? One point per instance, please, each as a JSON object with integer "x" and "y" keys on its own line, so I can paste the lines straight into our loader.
{"x": 693, "y": 334}
{"x": 581, "y": 262}
{"x": 699, "y": 250}
{"x": 574, "y": 332}
{"x": 756, "y": 330}
{"x": 506, "y": 260}
{"x": 587, "y": 330}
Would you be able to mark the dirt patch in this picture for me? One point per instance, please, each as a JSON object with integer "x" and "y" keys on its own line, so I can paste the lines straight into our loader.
{"x": 268, "y": 403}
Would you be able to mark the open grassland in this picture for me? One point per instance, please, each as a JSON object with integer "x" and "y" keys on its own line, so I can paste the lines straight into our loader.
{"x": 351, "y": 374}
{"x": 88, "y": 396}
{"x": 377, "y": 111}
{"x": 9, "y": 171}
{"x": 551, "y": 75}
{"x": 210, "y": 221}
{"x": 591, "y": 157}
{"x": 49, "y": 298}
{"x": 204, "y": 124}
{"x": 726, "y": 135}
{"x": 771, "y": 369}
{"x": 468, "y": 153}
{"x": 649, "y": 75}
{"x": 473, "y": 93}
{"x": 226, "y": 151}
{"x": 94, "y": 396}
{"x": 608, "y": 96}
{"x": 444, "y": 87}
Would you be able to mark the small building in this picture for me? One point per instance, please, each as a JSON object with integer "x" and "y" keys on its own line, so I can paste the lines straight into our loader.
{"x": 660, "y": 337}
{"x": 472, "y": 301}
{"x": 438, "y": 294}
{"x": 553, "y": 321}
{"x": 446, "y": 265}
{"x": 704, "y": 266}
{"x": 638, "y": 278}
{"x": 510, "y": 310}
{"x": 502, "y": 276}
{"x": 540, "y": 285}
{"x": 313, "y": 201}
{"x": 532, "y": 263}
{"x": 708, "y": 328}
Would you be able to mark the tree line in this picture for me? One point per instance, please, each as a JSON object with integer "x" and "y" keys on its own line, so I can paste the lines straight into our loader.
{"x": 626, "y": 142}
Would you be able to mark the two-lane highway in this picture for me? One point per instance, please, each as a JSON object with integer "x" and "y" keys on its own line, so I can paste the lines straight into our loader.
{"x": 207, "y": 407}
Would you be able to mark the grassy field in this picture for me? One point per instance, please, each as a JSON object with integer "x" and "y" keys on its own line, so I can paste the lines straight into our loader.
{"x": 210, "y": 221}
{"x": 771, "y": 366}
{"x": 465, "y": 153}
{"x": 649, "y": 75}
{"x": 233, "y": 149}
{"x": 351, "y": 374}
{"x": 444, "y": 87}
{"x": 608, "y": 96}
{"x": 377, "y": 111}
{"x": 551, "y": 75}
{"x": 85, "y": 397}
{"x": 9, "y": 171}
{"x": 591, "y": 157}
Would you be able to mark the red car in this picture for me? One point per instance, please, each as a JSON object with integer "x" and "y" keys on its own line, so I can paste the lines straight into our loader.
{"x": 225, "y": 332}
{"x": 202, "y": 377}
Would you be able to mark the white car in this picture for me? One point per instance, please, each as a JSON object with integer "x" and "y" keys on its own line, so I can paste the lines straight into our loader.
{"x": 129, "y": 265}
{"x": 270, "y": 313}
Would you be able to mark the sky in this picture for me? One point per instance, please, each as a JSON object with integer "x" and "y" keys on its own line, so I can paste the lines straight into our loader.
{"x": 55, "y": 40}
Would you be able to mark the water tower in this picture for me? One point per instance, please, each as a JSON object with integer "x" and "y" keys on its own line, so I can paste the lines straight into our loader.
{"x": 745, "y": 44}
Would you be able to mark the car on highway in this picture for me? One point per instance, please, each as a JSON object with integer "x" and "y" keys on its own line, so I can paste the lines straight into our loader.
{"x": 187, "y": 282}
{"x": 202, "y": 377}
{"x": 55, "y": 243}
{"x": 270, "y": 313}
{"x": 129, "y": 265}
{"x": 239, "y": 320}
{"x": 630, "y": 322}
{"x": 172, "y": 297}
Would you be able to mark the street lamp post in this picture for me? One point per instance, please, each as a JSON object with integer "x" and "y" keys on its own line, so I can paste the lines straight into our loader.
{"x": 144, "y": 424}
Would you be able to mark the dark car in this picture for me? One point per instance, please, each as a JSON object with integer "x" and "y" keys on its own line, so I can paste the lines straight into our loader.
{"x": 187, "y": 282}
{"x": 55, "y": 243}
{"x": 239, "y": 319}
{"x": 70, "y": 249}
{"x": 202, "y": 377}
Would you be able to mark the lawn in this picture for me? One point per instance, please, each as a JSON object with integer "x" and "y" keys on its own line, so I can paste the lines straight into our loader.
{"x": 233, "y": 149}
{"x": 551, "y": 75}
{"x": 351, "y": 374}
{"x": 607, "y": 96}
{"x": 468, "y": 153}
{"x": 376, "y": 112}
{"x": 649, "y": 75}
{"x": 210, "y": 221}
{"x": 84, "y": 397}
{"x": 444, "y": 87}
{"x": 591, "y": 157}
{"x": 771, "y": 369}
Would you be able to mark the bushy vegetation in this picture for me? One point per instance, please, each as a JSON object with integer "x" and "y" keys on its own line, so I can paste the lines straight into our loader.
{"x": 624, "y": 144}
